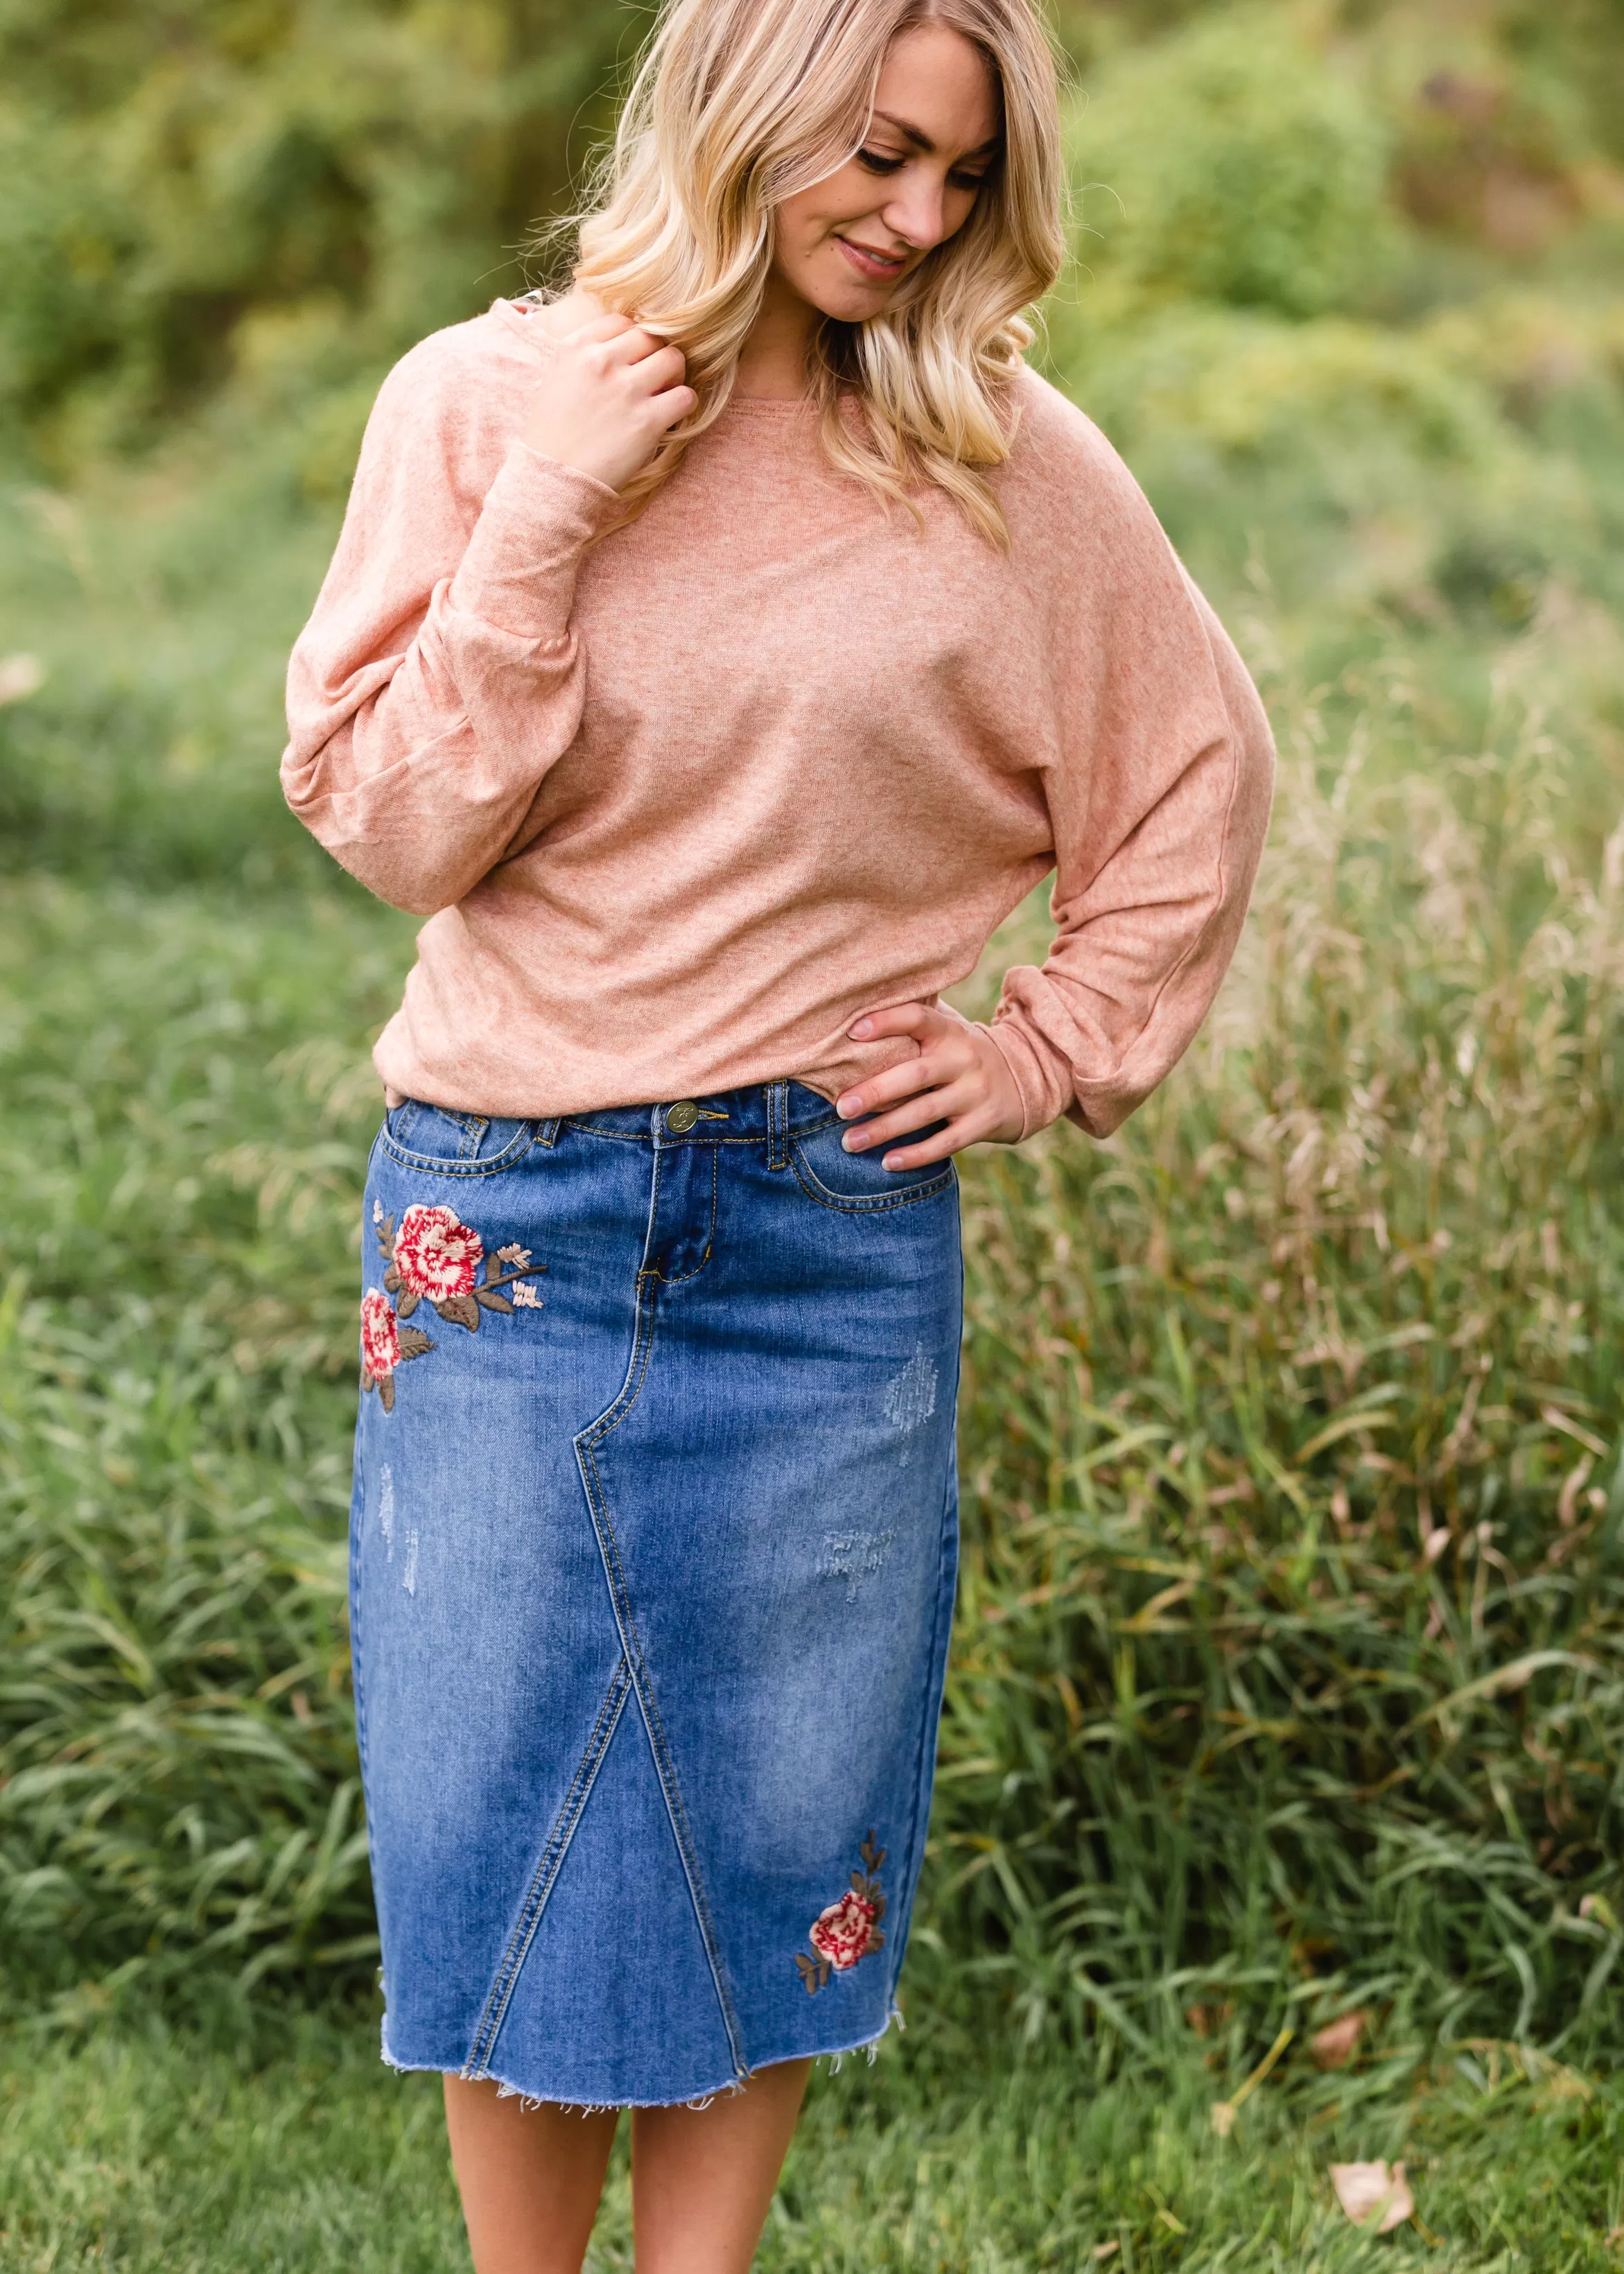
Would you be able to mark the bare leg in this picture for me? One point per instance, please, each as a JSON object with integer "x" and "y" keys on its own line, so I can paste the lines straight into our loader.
{"x": 529, "y": 2178}
{"x": 702, "y": 2178}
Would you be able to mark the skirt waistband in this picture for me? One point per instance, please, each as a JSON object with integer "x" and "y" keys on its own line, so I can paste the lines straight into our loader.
{"x": 762, "y": 1110}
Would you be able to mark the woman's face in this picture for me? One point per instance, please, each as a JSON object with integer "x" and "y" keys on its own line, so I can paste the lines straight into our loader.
{"x": 848, "y": 242}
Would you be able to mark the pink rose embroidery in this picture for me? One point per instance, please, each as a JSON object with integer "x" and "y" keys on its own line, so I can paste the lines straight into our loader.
{"x": 435, "y": 1255}
{"x": 848, "y": 1930}
{"x": 380, "y": 1342}
{"x": 385, "y": 1344}
{"x": 434, "y": 1258}
{"x": 841, "y": 1932}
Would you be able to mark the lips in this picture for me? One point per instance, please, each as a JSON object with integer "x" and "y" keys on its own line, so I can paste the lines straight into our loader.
{"x": 878, "y": 268}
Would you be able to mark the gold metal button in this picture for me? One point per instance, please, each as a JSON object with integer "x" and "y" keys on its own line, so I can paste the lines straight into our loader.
{"x": 681, "y": 1118}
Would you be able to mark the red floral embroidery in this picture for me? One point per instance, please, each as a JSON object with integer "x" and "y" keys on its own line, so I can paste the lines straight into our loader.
{"x": 380, "y": 1342}
{"x": 435, "y": 1258}
{"x": 435, "y": 1255}
{"x": 385, "y": 1344}
{"x": 848, "y": 1930}
{"x": 841, "y": 1932}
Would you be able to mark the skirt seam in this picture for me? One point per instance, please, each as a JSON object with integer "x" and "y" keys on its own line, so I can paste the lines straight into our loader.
{"x": 665, "y": 1768}
{"x": 615, "y": 1577}
{"x": 545, "y": 1877}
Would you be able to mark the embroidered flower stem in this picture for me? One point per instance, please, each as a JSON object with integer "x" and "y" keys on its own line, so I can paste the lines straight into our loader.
{"x": 434, "y": 1258}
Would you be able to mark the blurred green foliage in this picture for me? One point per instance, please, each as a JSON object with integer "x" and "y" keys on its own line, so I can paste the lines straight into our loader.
{"x": 181, "y": 182}
{"x": 1292, "y": 1632}
{"x": 1232, "y": 167}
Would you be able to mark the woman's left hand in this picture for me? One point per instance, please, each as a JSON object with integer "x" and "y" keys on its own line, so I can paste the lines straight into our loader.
{"x": 960, "y": 1077}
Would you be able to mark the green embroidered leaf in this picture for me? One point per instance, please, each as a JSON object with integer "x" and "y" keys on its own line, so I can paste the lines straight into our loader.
{"x": 823, "y": 1972}
{"x": 859, "y": 1886}
{"x": 873, "y": 1943}
{"x": 492, "y": 1302}
{"x": 391, "y": 1279}
{"x": 879, "y": 1907}
{"x": 414, "y": 1342}
{"x": 386, "y": 1393}
{"x": 461, "y": 1310}
{"x": 409, "y": 1301}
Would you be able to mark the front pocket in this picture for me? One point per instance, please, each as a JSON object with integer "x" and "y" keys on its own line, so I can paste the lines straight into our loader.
{"x": 856, "y": 1182}
{"x": 445, "y": 1144}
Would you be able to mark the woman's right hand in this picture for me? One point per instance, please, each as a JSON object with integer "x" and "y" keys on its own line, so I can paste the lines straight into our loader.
{"x": 609, "y": 393}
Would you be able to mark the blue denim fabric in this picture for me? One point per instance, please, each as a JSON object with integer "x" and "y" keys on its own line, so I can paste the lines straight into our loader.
{"x": 652, "y": 1563}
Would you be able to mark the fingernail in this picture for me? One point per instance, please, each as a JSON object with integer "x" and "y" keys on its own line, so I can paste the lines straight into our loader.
{"x": 862, "y": 1031}
{"x": 847, "y": 1105}
{"x": 854, "y": 1140}
{"x": 893, "y": 1161}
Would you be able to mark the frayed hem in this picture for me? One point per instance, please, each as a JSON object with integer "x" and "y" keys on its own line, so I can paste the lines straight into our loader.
{"x": 830, "y": 2057}
{"x": 870, "y": 2045}
{"x": 529, "y": 2101}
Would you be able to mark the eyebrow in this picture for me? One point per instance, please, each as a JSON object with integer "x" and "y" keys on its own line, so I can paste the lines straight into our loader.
{"x": 922, "y": 141}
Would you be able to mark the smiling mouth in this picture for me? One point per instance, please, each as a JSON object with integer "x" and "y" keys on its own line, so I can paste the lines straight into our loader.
{"x": 879, "y": 268}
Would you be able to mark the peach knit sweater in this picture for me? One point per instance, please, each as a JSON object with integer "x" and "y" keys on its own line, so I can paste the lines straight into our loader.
{"x": 678, "y": 804}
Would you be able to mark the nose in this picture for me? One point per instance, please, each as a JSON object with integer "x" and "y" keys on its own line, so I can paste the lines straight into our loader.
{"x": 915, "y": 211}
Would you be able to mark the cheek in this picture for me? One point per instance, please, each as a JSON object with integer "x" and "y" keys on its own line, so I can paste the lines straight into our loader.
{"x": 956, "y": 207}
{"x": 799, "y": 230}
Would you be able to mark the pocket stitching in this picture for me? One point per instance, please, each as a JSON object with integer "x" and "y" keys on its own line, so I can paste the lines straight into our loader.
{"x": 862, "y": 1204}
{"x": 434, "y": 1165}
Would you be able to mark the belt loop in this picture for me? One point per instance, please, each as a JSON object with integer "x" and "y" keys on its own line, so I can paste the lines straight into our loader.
{"x": 778, "y": 1125}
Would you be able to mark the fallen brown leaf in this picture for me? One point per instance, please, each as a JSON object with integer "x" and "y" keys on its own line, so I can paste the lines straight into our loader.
{"x": 1332, "y": 2047}
{"x": 1364, "y": 2189}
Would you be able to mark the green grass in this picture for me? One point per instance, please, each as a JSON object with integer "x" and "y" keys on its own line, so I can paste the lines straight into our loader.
{"x": 133, "y": 2147}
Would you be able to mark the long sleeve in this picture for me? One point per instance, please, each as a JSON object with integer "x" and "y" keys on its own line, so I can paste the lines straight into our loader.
{"x": 1159, "y": 798}
{"x": 440, "y": 675}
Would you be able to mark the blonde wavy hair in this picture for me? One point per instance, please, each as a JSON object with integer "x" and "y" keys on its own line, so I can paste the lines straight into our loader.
{"x": 738, "y": 104}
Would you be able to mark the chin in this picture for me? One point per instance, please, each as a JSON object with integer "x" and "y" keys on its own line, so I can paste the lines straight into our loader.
{"x": 846, "y": 302}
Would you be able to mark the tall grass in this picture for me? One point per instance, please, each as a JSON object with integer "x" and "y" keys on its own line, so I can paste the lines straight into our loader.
{"x": 1293, "y": 1626}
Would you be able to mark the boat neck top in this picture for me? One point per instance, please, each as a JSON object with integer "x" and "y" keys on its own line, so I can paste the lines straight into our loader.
{"x": 681, "y": 798}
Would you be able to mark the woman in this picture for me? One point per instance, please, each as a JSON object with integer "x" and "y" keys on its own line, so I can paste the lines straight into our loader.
{"x": 715, "y": 656}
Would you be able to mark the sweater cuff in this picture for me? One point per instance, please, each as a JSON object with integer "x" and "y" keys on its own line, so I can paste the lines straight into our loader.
{"x": 519, "y": 570}
{"x": 1043, "y": 1098}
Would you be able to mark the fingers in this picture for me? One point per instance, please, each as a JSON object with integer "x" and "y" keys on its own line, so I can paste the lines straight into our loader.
{"x": 953, "y": 1139}
{"x": 942, "y": 1061}
{"x": 659, "y": 373}
{"x": 634, "y": 345}
{"x": 897, "y": 1019}
{"x": 677, "y": 403}
{"x": 958, "y": 1078}
{"x": 944, "y": 1054}
{"x": 951, "y": 1101}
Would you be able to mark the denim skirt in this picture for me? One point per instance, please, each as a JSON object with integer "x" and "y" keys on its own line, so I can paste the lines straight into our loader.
{"x": 652, "y": 1554}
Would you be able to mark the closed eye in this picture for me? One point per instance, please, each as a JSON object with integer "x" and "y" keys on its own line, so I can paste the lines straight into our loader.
{"x": 878, "y": 162}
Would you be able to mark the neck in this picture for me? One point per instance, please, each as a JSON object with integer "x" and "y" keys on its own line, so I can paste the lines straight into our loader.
{"x": 773, "y": 360}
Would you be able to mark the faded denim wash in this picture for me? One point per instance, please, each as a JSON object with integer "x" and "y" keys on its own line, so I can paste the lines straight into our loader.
{"x": 653, "y": 1546}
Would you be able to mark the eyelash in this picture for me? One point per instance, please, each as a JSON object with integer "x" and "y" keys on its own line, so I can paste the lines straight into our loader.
{"x": 877, "y": 163}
